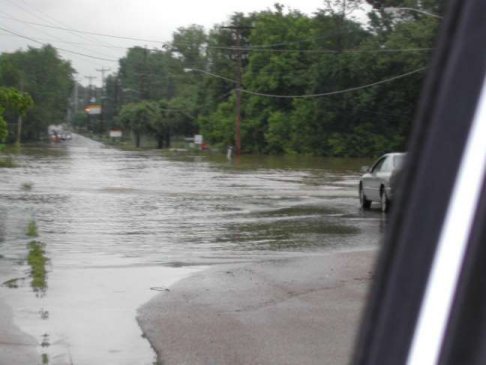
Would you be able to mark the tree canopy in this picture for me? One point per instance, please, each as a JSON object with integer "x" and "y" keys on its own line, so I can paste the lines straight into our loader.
{"x": 47, "y": 78}
{"x": 13, "y": 101}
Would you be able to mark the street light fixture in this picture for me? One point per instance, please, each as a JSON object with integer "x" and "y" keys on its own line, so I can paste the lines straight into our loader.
{"x": 417, "y": 11}
{"x": 210, "y": 74}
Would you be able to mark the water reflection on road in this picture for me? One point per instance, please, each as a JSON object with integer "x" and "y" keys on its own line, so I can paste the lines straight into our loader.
{"x": 115, "y": 223}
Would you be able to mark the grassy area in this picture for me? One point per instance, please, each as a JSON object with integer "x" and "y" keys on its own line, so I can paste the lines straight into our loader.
{"x": 7, "y": 162}
{"x": 37, "y": 261}
{"x": 32, "y": 229}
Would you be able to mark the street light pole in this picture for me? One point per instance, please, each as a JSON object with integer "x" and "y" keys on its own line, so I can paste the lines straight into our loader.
{"x": 209, "y": 73}
{"x": 419, "y": 11}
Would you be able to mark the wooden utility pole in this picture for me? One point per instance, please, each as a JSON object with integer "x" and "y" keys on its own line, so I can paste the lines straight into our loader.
{"x": 237, "y": 30}
{"x": 90, "y": 85}
{"x": 76, "y": 96}
{"x": 90, "y": 96}
{"x": 102, "y": 70}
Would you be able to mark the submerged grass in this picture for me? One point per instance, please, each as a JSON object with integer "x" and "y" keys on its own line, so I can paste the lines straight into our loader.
{"x": 37, "y": 261}
{"x": 12, "y": 283}
{"x": 7, "y": 162}
{"x": 26, "y": 186}
{"x": 32, "y": 229}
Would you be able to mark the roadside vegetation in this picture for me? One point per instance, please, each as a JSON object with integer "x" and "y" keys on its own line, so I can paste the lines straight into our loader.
{"x": 27, "y": 186}
{"x": 328, "y": 84}
{"x": 13, "y": 105}
{"x": 37, "y": 261}
{"x": 45, "y": 81}
{"x": 7, "y": 162}
{"x": 32, "y": 229}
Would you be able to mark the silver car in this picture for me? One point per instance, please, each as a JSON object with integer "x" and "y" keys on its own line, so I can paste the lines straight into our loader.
{"x": 378, "y": 182}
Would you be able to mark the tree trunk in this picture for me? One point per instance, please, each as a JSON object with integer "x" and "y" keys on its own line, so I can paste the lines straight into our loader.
{"x": 167, "y": 140}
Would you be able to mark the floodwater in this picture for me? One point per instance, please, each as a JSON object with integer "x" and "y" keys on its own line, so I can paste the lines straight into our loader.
{"x": 118, "y": 226}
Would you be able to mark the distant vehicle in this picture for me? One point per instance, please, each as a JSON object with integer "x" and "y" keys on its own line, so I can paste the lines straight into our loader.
{"x": 378, "y": 182}
{"x": 59, "y": 136}
{"x": 66, "y": 136}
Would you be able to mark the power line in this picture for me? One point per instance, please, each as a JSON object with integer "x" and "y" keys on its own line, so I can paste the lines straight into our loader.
{"x": 59, "y": 49}
{"x": 43, "y": 32}
{"x": 75, "y": 43}
{"x": 83, "y": 31}
{"x": 31, "y": 23}
{"x": 351, "y": 89}
{"x": 298, "y": 41}
{"x": 265, "y": 46}
{"x": 258, "y": 49}
{"x": 52, "y": 20}
{"x": 241, "y": 89}
{"x": 255, "y": 48}
{"x": 330, "y": 51}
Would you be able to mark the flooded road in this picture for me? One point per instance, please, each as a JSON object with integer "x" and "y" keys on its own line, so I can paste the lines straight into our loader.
{"x": 119, "y": 225}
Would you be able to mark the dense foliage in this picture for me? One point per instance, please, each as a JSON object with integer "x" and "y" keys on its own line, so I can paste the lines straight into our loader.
{"x": 47, "y": 78}
{"x": 332, "y": 84}
{"x": 13, "y": 102}
{"x": 290, "y": 57}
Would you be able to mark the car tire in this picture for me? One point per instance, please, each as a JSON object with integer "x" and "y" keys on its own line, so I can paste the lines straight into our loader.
{"x": 364, "y": 203}
{"x": 384, "y": 201}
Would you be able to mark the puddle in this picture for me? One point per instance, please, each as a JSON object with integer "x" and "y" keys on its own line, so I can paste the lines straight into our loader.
{"x": 88, "y": 315}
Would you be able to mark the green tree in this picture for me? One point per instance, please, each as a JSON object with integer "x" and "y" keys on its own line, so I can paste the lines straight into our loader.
{"x": 144, "y": 74}
{"x": 138, "y": 117}
{"x": 14, "y": 101}
{"x": 3, "y": 126}
{"x": 287, "y": 53}
{"x": 276, "y": 65}
{"x": 219, "y": 127}
{"x": 188, "y": 43}
{"x": 46, "y": 78}
{"x": 160, "y": 124}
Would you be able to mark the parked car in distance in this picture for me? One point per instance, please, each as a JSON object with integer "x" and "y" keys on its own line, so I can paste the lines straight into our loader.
{"x": 379, "y": 181}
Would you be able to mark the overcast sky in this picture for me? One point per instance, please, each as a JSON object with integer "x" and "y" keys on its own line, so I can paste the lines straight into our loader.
{"x": 145, "y": 19}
